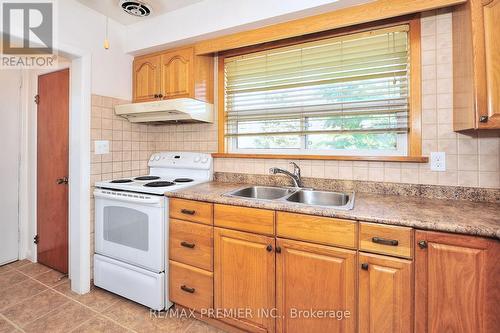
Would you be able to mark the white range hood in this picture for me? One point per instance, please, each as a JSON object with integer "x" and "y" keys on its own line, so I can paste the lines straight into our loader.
{"x": 182, "y": 110}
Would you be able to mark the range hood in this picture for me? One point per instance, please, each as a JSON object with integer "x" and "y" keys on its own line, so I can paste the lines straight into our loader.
{"x": 178, "y": 110}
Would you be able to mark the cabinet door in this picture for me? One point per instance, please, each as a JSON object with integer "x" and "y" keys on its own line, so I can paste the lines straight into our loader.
{"x": 316, "y": 278}
{"x": 385, "y": 294}
{"x": 244, "y": 279}
{"x": 177, "y": 73}
{"x": 491, "y": 10}
{"x": 456, "y": 283}
{"x": 146, "y": 77}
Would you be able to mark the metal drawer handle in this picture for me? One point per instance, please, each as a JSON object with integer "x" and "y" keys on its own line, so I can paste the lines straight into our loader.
{"x": 385, "y": 241}
{"x": 187, "y": 289}
{"x": 188, "y": 211}
{"x": 188, "y": 245}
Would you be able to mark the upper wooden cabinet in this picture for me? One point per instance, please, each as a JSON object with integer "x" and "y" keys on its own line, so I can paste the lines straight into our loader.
{"x": 476, "y": 65}
{"x": 173, "y": 74}
{"x": 456, "y": 283}
{"x": 146, "y": 81}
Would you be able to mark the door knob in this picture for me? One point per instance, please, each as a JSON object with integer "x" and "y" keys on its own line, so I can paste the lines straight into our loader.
{"x": 63, "y": 180}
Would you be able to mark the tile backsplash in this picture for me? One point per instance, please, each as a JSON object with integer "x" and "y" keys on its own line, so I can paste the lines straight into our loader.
{"x": 471, "y": 159}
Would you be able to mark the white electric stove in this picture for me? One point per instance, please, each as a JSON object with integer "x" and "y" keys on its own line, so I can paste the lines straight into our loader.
{"x": 131, "y": 226}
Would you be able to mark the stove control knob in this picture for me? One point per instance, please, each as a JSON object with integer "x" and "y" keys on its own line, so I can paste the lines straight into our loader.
{"x": 196, "y": 159}
{"x": 204, "y": 160}
{"x": 157, "y": 157}
{"x": 152, "y": 158}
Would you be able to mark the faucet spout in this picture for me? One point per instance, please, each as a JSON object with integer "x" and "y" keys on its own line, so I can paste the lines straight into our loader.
{"x": 295, "y": 176}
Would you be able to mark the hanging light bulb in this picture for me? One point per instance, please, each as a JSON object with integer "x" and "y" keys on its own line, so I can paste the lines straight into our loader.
{"x": 106, "y": 40}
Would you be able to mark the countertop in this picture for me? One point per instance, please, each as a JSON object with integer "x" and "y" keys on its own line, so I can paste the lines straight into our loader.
{"x": 455, "y": 216}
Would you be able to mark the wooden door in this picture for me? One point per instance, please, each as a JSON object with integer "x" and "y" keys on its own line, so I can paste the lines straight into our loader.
{"x": 314, "y": 277}
{"x": 457, "y": 285}
{"x": 491, "y": 10}
{"x": 385, "y": 294}
{"x": 244, "y": 279}
{"x": 146, "y": 79}
{"x": 177, "y": 73}
{"x": 52, "y": 170}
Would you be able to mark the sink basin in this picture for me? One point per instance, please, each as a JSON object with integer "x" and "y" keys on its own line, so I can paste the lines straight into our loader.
{"x": 262, "y": 192}
{"x": 336, "y": 200}
{"x": 323, "y": 198}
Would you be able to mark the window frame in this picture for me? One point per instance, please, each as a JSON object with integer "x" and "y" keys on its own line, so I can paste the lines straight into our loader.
{"x": 414, "y": 141}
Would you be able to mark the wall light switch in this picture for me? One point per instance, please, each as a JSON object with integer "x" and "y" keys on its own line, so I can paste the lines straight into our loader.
{"x": 101, "y": 147}
{"x": 438, "y": 161}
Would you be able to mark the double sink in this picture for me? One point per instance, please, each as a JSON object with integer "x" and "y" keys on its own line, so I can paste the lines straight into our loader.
{"x": 335, "y": 200}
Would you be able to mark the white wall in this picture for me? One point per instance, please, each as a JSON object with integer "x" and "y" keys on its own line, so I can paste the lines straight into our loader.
{"x": 212, "y": 18}
{"x": 10, "y": 81}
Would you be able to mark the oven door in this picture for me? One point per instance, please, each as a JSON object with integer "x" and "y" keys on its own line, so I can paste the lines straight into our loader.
{"x": 131, "y": 227}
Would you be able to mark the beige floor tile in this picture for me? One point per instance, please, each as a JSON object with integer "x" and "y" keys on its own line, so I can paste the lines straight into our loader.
{"x": 138, "y": 318}
{"x": 61, "y": 320}
{"x": 33, "y": 269}
{"x": 19, "y": 292}
{"x": 10, "y": 278}
{"x": 51, "y": 278}
{"x": 24, "y": 312}
{"x": 19, "y": 263}
{"x": 5, "y": 326}
{"x": 98, "y": 299}
{"x": 100, "y": 325}
{"x": 5, "y": 268}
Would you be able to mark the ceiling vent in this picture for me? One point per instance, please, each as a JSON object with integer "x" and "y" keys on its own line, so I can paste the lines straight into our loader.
{"x": 136, "y": 8}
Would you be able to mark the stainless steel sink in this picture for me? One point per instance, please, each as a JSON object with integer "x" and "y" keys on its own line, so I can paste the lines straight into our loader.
{"x": 262, "y": 192}
{"x": 323, "y": 198}
{"x": 336, "y": 200}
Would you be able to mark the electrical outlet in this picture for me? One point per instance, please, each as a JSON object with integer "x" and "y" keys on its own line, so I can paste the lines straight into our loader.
{"x": 438, "y": 161}
{"x": 101, "y": 147}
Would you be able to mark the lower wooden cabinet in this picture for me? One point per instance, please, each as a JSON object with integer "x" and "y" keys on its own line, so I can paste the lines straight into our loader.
{"x": 457, "y": 287}
{"x": 385, "y": 294}
{"x": 244, "y": 279}
{"x": 315, "y": 281}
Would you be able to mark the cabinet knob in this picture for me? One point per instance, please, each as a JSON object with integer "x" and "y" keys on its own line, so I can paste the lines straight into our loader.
{"x": 155, "y": 95}
{"x": 160, "y": 95}
{"x": 364, "y": 266}
{"x": 278, "y": 249}
{"x": 483, "y": 119}
{"x": 269, "y": 248}
{"x": 422, "y": 244}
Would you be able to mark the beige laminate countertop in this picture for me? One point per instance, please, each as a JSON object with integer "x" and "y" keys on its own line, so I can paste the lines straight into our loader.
{"x": 463, "y": 217}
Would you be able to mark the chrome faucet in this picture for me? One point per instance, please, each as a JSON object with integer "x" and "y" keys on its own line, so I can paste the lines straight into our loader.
{"x": 297, "y": 180}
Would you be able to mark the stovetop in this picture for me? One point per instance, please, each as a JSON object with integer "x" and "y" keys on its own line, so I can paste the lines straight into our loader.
{"x": 169, "y": 171}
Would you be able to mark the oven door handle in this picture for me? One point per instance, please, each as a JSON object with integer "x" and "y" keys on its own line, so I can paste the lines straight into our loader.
{"x": 128, "y": 197}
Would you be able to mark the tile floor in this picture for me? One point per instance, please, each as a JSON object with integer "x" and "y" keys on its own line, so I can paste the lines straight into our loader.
{"x": 35, "y": 298}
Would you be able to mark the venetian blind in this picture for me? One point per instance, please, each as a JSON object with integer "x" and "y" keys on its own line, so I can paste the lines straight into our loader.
{"x": 352, "y": 83}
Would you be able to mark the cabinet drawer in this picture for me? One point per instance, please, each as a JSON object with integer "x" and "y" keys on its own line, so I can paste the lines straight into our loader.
{"x": 254, "y": 220}
{"x": 317, "y": 229}
{"x": 195, "y": 211}
{"x": 190, "y": 286}
{"x": 391, "y": 240}
{"x": 191, "y": 243}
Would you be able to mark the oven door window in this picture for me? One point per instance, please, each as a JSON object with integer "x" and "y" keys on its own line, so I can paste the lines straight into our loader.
{"x": 127, "y": 227}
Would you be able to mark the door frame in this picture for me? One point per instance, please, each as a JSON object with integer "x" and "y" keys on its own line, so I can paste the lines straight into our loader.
{"x": 79, "y": 167}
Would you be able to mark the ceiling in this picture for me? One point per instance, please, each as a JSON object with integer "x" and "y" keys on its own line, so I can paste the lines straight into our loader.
{"x": 112, "y": 9}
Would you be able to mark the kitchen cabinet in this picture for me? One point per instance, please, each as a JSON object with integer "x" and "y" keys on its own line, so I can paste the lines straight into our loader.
{"x": 146, "y": 78}
{"x": 169, "y": 74}
{"x": 456, "y": 283}
{"x": 385, "y": 294}
{"x": 244, "y": 279}
{"x": 311, "y": 278}
{"x": 476, "y": 65}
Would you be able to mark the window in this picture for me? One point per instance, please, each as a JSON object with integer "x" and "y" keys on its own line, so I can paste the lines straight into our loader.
{"x": 344, "y": 95}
